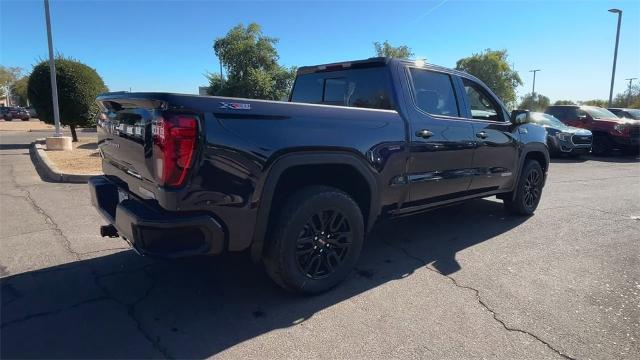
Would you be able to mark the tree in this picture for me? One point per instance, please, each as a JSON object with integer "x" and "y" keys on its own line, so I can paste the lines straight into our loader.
{"x": 564, "y": 102}
{"x": 78, "y": 87}
{"x": 492, "y": 68}
{"x": 628, "y": 98}
{"x": 534, "y": 102}
{"x": 387, "y": 50}
{"x": 595, "y": 102}
{"x": 8, "y": 75}
{"x": 19, "y": 89}
{"x": 251, "y": 63}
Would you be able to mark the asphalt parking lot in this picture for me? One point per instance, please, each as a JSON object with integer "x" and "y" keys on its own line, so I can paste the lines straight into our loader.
{"x": 467, "y": 281}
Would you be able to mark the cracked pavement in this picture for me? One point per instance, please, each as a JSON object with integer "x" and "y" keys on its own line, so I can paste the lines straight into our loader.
{"x": 467, "y": 281}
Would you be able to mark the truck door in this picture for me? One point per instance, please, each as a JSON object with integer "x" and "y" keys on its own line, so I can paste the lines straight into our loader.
{"x": 441, "y": 140}
{"x": 495, "y": 157}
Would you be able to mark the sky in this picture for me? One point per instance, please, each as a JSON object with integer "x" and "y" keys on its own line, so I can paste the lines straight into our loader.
{"x": 167, "y": 45}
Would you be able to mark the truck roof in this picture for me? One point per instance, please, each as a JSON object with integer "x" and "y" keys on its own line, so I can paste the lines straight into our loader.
{"x": 379, "y": 61}
{"x": 375, "y": 61}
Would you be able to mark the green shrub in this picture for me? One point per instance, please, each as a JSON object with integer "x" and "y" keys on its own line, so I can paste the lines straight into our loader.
{"x": 78, "y": 86}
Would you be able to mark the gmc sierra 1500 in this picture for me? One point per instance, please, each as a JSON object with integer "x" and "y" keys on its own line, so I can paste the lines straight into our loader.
{"x": 299, "y": 184}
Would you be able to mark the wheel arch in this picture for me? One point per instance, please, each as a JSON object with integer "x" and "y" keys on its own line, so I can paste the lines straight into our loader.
{"x": 535, "y": 151}
{"x": 308, "y": 161}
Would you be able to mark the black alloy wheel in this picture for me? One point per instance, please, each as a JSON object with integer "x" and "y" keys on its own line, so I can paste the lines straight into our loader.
{"x": 315, "y": 240}
{"x": 323, "y": 243}
{"x": 532, "y": 188}
{"x": 526, "y": 196}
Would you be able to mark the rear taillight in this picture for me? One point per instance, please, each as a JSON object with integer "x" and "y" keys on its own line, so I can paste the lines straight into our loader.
{"x": 174, "y": 142}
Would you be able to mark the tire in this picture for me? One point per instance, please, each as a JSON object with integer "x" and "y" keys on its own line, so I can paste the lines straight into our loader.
{"x": 316, "y": 241}
{"x": 528, "y": 190}
{"x": 602, "y": 145}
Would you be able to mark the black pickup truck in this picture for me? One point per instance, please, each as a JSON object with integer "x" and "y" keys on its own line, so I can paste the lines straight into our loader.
{"x": 299, "y": 184}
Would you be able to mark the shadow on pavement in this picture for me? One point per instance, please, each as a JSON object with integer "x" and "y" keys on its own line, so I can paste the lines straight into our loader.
{"x": 14, "y": 146}
{"x": 89, "y": 146}
{"x": 122, "y": 305}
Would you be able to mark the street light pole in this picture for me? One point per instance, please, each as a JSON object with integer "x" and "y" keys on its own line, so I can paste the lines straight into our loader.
{"x": 52, "y": 70}
{"x": 630, "y": 80}
{"x": 615, "y": 53}
{"x": 533, "y": 91}
{"x": 221, "y": 77}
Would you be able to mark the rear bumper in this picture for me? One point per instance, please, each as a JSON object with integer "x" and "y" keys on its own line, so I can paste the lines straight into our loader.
{"x": 153, "y": 231}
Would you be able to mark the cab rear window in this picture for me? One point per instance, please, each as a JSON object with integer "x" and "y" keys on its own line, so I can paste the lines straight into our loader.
{"x": 367, "y": 88}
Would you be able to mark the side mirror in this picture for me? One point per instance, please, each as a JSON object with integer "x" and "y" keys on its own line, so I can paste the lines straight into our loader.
{"x": 520, "y": 116}
{"x": 582, "y": 118}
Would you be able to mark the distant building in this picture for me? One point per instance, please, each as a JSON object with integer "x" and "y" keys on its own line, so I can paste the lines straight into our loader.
{"x": 202, "y": 90}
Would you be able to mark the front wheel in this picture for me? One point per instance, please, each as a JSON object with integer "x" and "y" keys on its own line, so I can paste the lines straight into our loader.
{"x": 528, "y": 190}
{"x": 316, "y": 240}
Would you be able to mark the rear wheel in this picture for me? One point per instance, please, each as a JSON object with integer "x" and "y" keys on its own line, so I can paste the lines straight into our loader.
{"x": 316, "y": 241}
{"x": 528, "y": 190}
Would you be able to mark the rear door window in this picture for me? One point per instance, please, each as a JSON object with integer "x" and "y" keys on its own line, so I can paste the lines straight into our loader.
{"x": 433, "y": 92}
{"x": 366, "y": 87}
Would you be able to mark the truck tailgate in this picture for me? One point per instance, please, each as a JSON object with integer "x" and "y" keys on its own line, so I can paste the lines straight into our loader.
{"x": 145, "y": 145}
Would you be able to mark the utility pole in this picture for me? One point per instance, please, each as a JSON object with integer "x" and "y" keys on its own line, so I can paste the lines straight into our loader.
{"x": 52, "y": 70}
{"x": 221, "y": 77}
{"x": 630, "y": 80}
{"x": 615, "y": 53}
{"x": 533, "y": 91}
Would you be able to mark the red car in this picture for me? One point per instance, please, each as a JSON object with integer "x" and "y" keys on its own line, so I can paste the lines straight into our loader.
{"x": 609, "y": 131}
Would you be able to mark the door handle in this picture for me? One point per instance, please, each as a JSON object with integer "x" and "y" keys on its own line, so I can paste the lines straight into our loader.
{"x": 482, "y": 135}
{"x": 424, "y": 133}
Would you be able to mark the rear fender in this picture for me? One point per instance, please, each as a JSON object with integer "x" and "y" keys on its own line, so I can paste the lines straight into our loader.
{"x": 311, "y": 158}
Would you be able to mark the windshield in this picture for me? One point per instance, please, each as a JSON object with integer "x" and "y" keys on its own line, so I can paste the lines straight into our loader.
{"x": 545, "y": 119}
{"x": 635, "y": 113}
{"x": 599, "y": 113}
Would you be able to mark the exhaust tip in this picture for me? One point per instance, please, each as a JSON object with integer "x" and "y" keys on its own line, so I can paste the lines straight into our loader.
{"x": 108, "y": 231}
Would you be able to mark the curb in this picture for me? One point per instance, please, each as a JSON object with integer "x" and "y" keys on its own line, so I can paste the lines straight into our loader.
{"x": 50, "y": 170}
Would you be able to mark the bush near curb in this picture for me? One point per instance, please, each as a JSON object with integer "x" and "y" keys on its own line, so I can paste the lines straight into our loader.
{"x": 78, "y": 87}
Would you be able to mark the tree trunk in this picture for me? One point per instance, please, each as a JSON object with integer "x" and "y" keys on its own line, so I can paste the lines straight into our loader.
{"x": 74, "y": 136}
